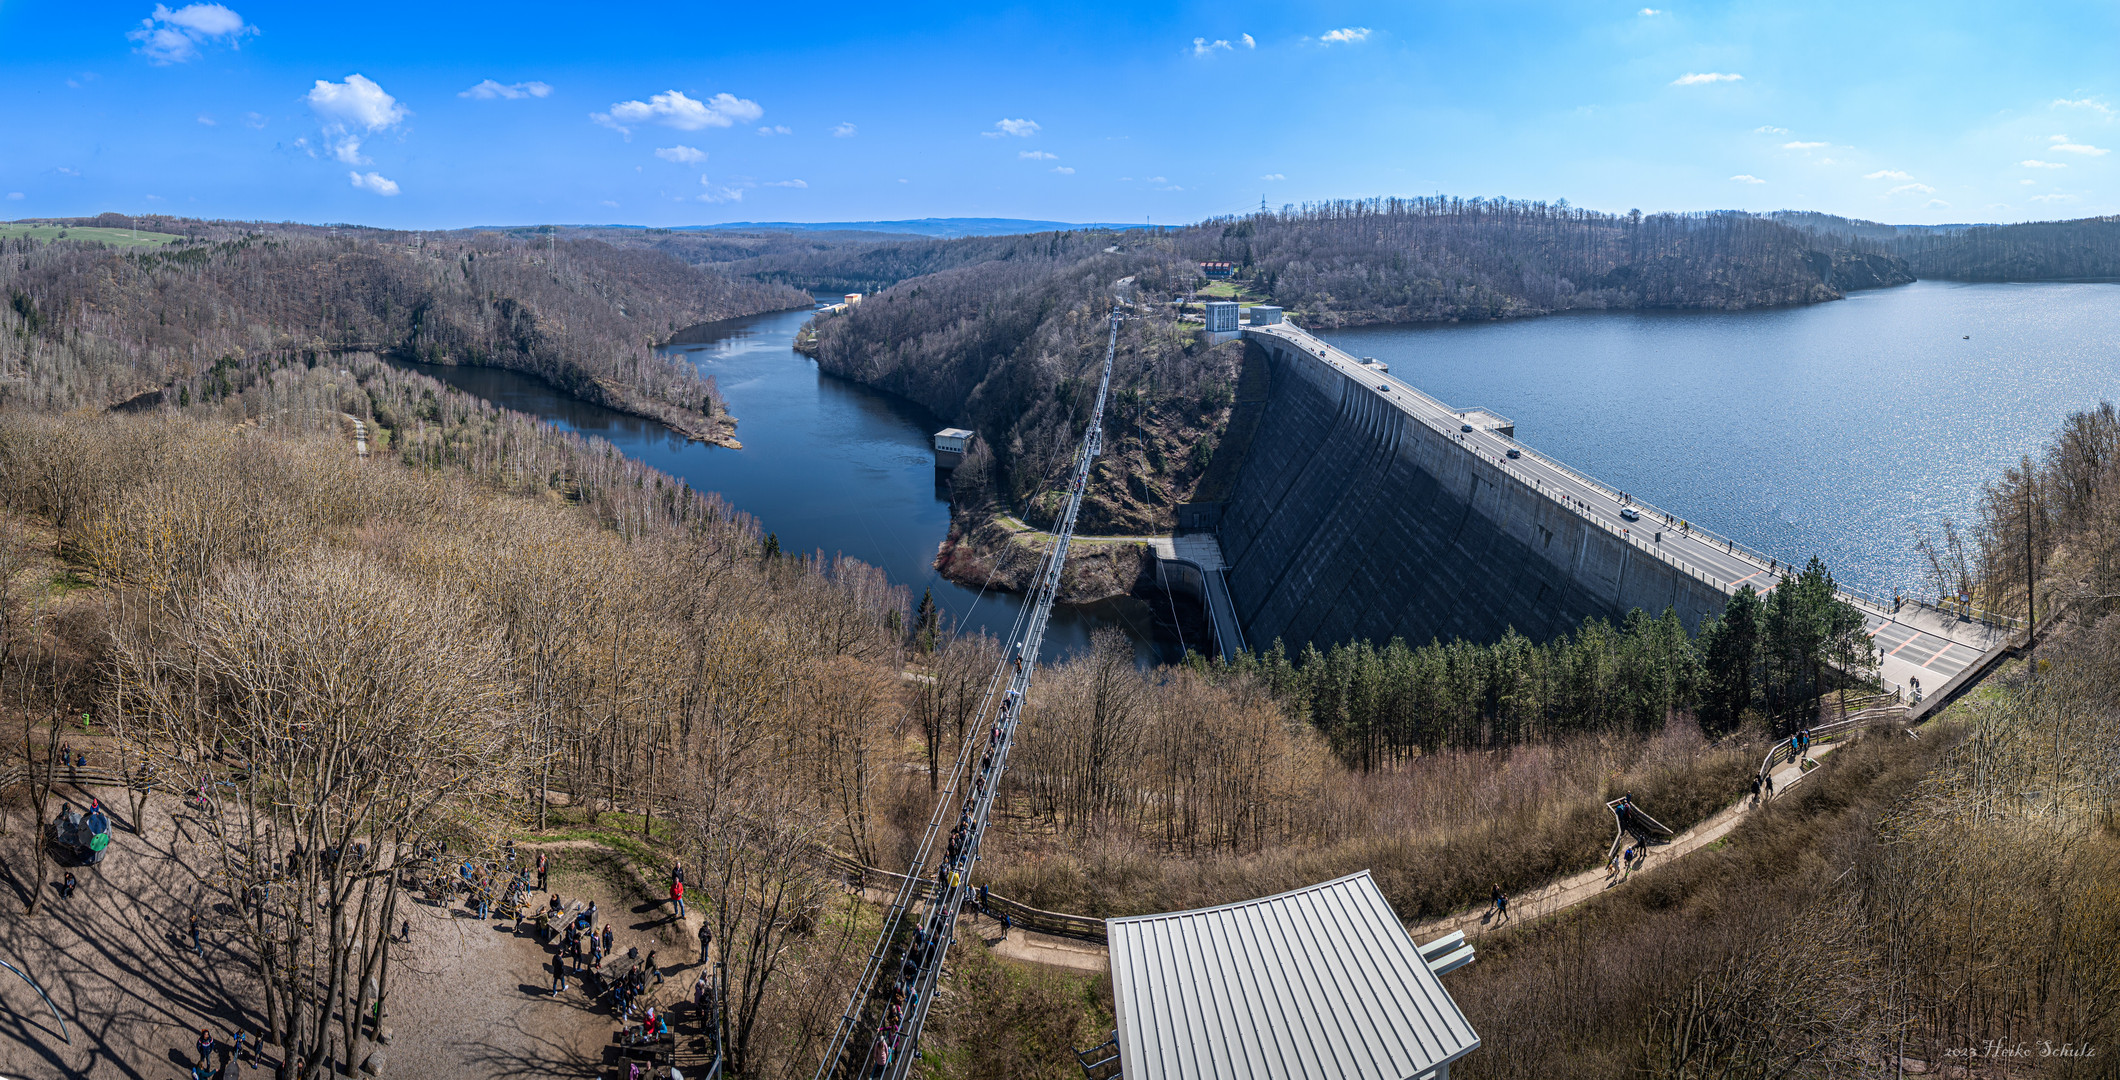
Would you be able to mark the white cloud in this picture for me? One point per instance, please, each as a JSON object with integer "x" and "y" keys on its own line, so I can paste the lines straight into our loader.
{"x": 673, "y": 108}
{"x": 489, "y": 90}
{"x": 352, "y": 109}
{"x": 1827, "y": 161}
{"x": 2027, "y": 183}
{"x": 357, "y": 102}
{"x": 1747, "y": 178}
{"x": 1038, "y": 155}
{"x": 1202, "y": 46}
{"x": 2056, "y": 197}
{"x": 1022, "y": 129}
{"x": 1888, "y": 174}
{"x": 1697, "y": 78}
{"x": 1803, "y": 145}
{"x": 1770, "y": 130}
{"x": 15, "y": 195}
{"x": 788, "y": 183}
{"x": 2093, "y": 104}
{"x": 1063, "y": 170}
{"x": 1934, "y": 203}
{"x": 2035, "y": 163}
{"x": 1248, "y": 41}
{"x": 1923, "y": 188}
{"x": 254, "y": 120}
{"x": 64, "y": 171}
{"x": 610, "y": 203}
{"x": 681, "y": 154}
{"x": 1156, "y": 180}
{"x": 1647, "y": 11}
{"x": 776, "y": 129}
{"x": 1346, "y": 35}
{"x": 208, "y": 120}
{"x": 843, "y": 131}
{"x": 173, "y": 37}
{"x": 1273, "y": 176}
{"x": 374, "y": 182}
{"x": 2087, "y": 150}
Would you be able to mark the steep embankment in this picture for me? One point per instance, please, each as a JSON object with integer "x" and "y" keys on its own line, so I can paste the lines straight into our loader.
{"x": 1011, "y": 350}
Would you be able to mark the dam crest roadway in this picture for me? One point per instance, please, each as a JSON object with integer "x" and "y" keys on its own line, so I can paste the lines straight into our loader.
{"x": 1364, "y": 508}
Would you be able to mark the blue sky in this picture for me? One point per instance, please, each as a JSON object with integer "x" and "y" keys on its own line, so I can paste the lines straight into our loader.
{"x": 438, "y": 115}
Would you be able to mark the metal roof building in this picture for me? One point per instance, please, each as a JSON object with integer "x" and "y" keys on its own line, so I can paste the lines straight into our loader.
{"x": 1322, "y": 983}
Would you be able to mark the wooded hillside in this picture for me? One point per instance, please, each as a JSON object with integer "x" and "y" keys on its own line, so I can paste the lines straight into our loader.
{"x": 98, "y": 326}
{"x": 2082, "y": 249}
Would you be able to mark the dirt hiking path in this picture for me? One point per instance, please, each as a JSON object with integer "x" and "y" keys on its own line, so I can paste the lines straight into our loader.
{"x": 1546, "y": 900}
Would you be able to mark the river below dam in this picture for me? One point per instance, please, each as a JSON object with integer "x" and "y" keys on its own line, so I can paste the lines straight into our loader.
{"x": 1842, "y": 429}
{"x": 827, "y": 465}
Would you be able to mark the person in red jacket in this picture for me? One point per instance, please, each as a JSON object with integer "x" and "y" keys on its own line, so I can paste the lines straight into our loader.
{"x": 677, "y": 896}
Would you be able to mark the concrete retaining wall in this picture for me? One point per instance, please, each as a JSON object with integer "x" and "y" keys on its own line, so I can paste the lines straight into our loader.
{"x": 1350, "y": 519}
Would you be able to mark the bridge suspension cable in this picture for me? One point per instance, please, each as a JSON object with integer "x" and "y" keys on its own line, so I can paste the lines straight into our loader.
{"x": 889, "y": 1005}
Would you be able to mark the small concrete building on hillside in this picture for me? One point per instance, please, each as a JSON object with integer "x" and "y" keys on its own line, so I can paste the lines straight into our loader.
{"x": 951, "y": 444}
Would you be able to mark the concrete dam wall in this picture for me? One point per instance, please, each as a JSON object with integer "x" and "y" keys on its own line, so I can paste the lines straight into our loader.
{"x": 1349, "y": 517}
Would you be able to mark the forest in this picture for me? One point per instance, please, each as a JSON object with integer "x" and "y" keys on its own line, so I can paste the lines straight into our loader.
{"x": 2084, "y": 249}
{"x": 104, "y": 326}
{"x": 1767, "y": 660}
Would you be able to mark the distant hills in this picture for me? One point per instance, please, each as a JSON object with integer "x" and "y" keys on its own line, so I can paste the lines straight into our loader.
{"x": 946, "y": 228}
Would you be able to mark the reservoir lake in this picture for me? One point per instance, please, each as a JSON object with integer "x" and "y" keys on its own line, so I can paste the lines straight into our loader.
{"x": 1842, "y": 429}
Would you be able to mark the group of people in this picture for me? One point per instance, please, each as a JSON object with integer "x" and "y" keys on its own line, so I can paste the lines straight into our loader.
{"x": 223, "y": 1059}
{"x": 585, "y": 947}
{"x": 1631, "y": 859}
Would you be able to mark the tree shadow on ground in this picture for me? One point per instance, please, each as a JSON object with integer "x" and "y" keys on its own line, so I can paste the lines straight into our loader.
{"x": 531, "y": 1055}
